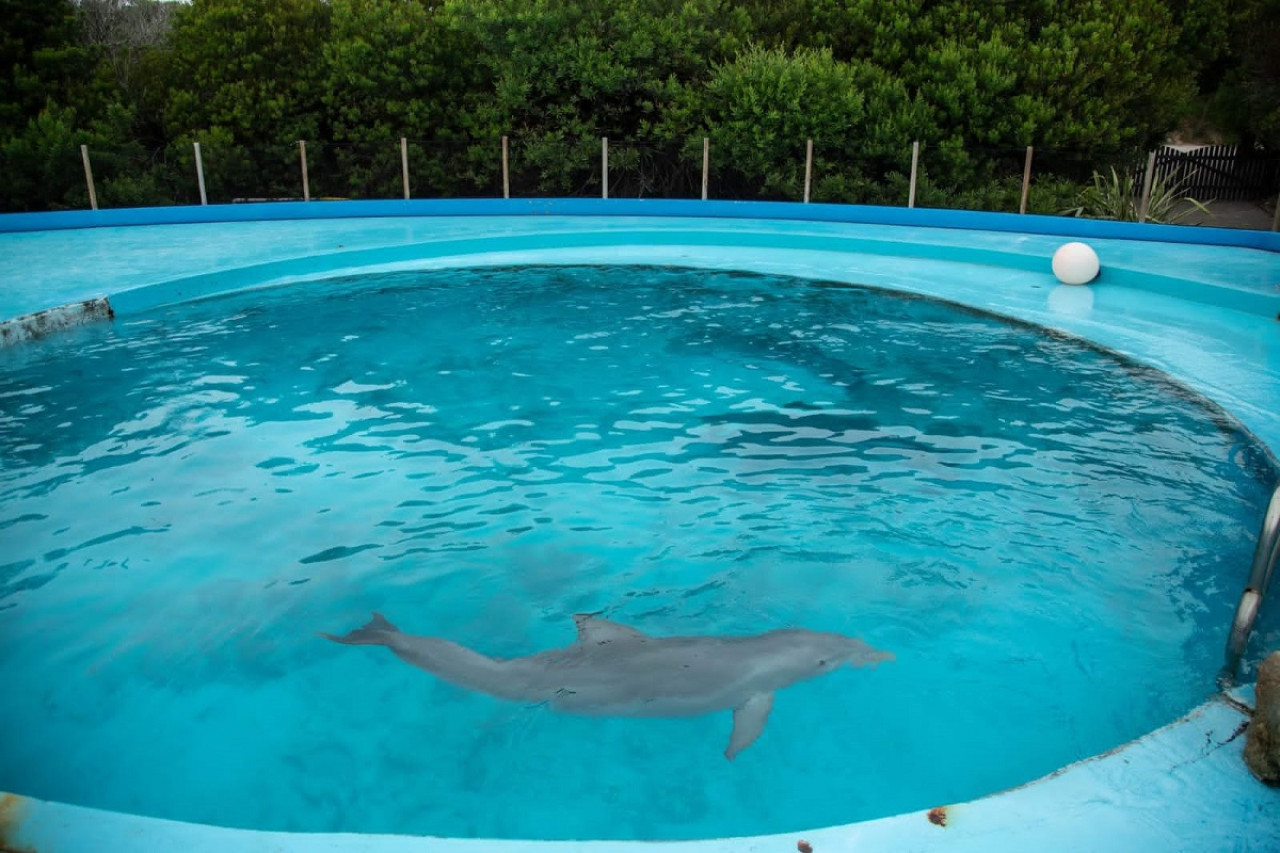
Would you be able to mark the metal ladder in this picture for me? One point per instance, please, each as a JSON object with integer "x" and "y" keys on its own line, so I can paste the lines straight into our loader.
{"x": 1264, "y": 562}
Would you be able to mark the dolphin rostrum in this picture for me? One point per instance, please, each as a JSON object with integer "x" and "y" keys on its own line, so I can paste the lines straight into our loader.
{"x": 614, "y": 670}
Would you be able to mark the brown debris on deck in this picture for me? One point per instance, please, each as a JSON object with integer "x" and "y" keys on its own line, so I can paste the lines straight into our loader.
{"x": 13, "y": 810}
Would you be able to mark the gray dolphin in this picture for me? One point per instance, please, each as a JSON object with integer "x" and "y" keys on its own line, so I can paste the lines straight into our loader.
{"x": 614, "y": 670}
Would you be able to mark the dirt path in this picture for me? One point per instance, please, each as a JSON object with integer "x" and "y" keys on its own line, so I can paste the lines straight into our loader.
{"x": 1232, "y": 214}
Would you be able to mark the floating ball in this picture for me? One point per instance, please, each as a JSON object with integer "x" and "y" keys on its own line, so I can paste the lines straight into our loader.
{"x": 1075, "y": 263}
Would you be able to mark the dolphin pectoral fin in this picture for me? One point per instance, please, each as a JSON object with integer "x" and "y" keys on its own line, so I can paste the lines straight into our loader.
{"x": 748, "y": 723}
{"x": 593, "y": 631}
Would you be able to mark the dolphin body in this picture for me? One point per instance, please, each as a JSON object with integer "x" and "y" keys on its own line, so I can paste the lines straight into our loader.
{"x": 615, "y": 670}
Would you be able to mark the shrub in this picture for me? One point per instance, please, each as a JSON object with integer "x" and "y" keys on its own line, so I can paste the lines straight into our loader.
{"x": 1119, "y": 197}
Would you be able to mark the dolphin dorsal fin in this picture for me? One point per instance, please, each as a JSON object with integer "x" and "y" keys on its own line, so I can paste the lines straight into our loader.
{"x": 595, "y": 631}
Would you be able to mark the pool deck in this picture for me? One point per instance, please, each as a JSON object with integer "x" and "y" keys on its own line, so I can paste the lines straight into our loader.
{"x": 1205, "y": 314}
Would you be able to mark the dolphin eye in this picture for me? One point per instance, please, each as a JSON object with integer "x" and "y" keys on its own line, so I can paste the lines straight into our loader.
{"x": 822, "y": 662}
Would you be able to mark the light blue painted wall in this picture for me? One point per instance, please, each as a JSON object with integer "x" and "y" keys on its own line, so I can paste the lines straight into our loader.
{"x": 864, "y": 214}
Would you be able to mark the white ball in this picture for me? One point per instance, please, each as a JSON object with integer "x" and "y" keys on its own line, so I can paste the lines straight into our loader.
{"x": 1075, "y": 263}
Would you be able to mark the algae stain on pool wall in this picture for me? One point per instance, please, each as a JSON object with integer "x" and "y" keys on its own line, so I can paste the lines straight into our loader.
{"x": 37, "y": 325}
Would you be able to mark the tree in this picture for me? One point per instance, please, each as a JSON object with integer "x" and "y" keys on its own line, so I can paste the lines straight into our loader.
{"x": 41, "y": 50}
{"x": 60, "y": 96}
{"x": 248, "y": 76}
{"x": 565, "y": 72}
{"x": 759, "y": 109}
{"x": 404, "y": 69}
{"x": 251, "y": 67}
{"x": 1093, "y": 75}
{"x": 1248, "y": 100}
{"x": 123, "y": 31}
{"x": 972, "y": 81}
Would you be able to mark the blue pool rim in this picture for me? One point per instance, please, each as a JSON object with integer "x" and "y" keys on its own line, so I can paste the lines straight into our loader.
{"x": 1064, "y": 802}
{"x": 1063, "y": 226}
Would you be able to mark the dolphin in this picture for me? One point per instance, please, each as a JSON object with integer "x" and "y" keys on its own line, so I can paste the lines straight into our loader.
{"x": 614, "y": 670}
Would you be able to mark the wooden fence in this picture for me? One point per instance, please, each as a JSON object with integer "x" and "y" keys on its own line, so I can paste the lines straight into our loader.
{"x": 1219, "y": 173}
{"x": 1211, "y": 173}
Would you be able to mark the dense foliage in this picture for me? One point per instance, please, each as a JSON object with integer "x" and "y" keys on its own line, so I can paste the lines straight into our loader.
{"x": 140, "y": 80}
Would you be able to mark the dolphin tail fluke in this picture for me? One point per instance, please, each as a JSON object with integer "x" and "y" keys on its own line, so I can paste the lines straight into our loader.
{"x": 377, "y": 632}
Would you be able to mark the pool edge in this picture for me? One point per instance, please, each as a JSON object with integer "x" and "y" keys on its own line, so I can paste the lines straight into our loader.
{"x": 853, "y": 213}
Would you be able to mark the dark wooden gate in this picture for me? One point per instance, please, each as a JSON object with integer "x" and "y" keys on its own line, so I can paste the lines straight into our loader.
{"x": 1219, "y": 173}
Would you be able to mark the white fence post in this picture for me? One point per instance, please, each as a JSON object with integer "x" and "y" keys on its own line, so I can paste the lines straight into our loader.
{"x": 1144, "y": 207}
{"x": 1026, "y": 181}
{"x": 404, "y": 165}
{"x": 604, "y": 167}
{"x": 915, "y": 163}
{"x": 204, "y": 199}
{"x": 302, "y": 155}
{"x": 808, "y": 169}
{"x": 88, "y": 177}
{"x": 706, "y": 165}
{"x": 506, "y": 171}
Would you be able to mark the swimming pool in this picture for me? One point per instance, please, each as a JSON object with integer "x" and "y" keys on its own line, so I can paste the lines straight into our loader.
{"x": 1220, "y": 350}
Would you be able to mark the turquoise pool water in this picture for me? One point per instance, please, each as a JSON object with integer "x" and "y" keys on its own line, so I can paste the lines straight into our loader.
{"x": 1049, "y": 539}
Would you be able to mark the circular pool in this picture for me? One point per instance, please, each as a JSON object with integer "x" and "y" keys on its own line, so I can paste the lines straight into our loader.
{"x": 1047, "y": 536}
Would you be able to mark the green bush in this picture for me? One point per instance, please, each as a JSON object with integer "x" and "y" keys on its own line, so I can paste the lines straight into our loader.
{"x": 862, "y": 78}
{"x": 759, "y": 109}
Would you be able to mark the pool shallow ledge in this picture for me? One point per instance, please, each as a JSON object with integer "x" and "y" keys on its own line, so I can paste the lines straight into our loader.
{"x": 1180, "y": 788}
{"x": 260, "y": 242}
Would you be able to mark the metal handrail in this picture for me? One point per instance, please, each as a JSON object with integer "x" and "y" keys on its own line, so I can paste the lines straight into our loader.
{"x": 1264, "y": 563}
